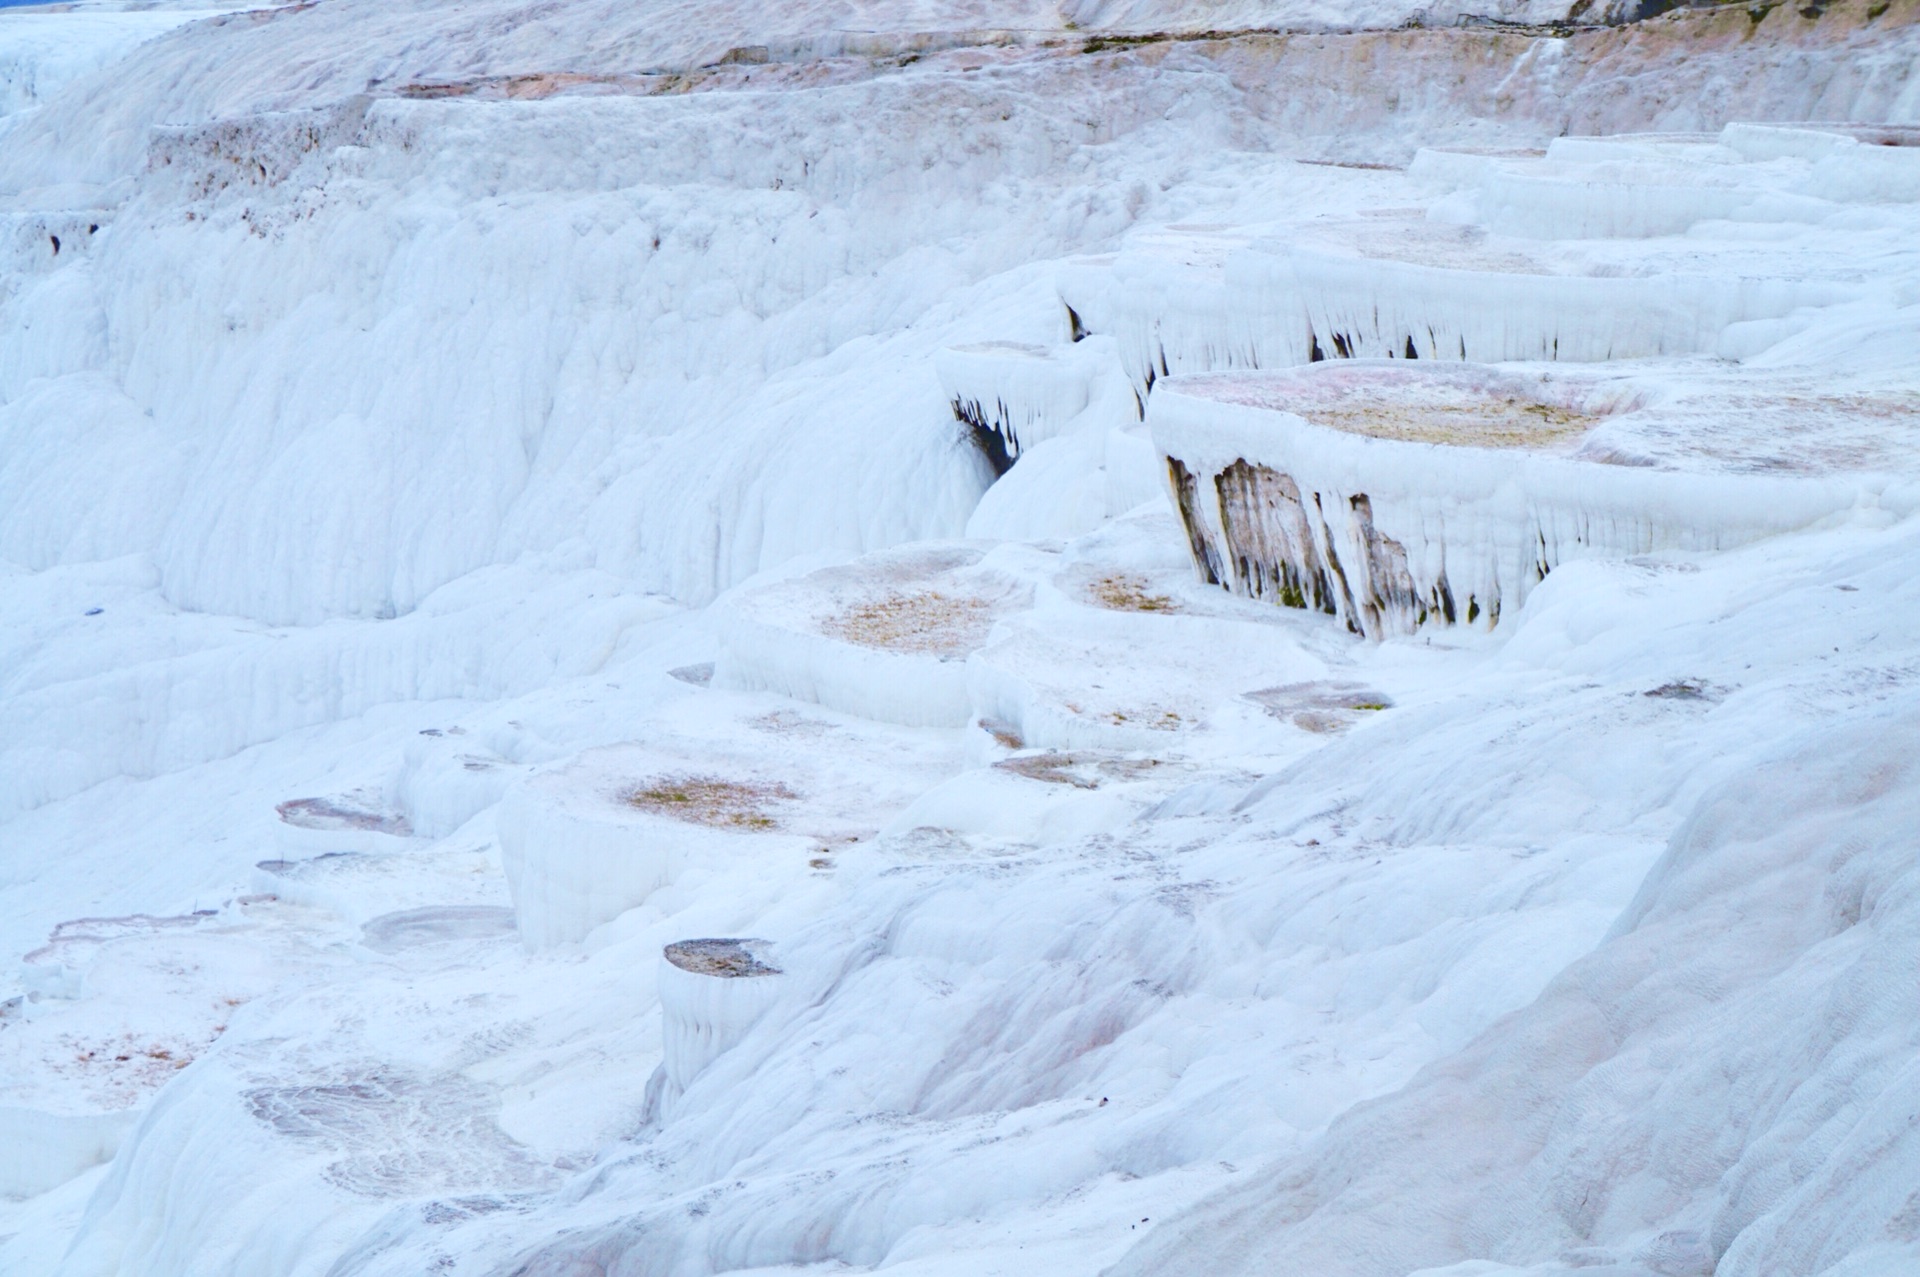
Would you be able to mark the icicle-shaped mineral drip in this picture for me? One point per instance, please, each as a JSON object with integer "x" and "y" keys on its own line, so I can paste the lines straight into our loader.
{"x": 1360, "y": 307}
{"x": 1179, "y": 313}
{"x": 1017, "y": 393}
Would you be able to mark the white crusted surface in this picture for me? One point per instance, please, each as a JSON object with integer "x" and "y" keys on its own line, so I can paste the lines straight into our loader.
{"x": 886, "y": 637}
{"x": 432, "y": 416}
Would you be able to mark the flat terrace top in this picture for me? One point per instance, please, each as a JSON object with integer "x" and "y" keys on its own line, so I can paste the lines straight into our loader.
{"x": 932, "y": 600}
{"x": 1460, "y": 405}
{"x": 1797, "y": 253}
{"x": 1717, "y": 168}
{"x": 1203, "y": 244}
{"x": 1697, "y": 417}
{"x": 1768, "y": 426}
{"x": 1405, "y": 235}
{"x": 1192, "y": 249}
{"x": 1003, "y": 350}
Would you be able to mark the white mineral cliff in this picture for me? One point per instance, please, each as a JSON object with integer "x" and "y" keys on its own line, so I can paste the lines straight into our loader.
{"x": 964, "y": 637}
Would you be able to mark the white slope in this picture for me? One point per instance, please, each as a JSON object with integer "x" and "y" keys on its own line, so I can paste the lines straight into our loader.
{"x": 481, "y": 500}
{"x": 40, "y": 53}
{"x": 1725, "y": 1084}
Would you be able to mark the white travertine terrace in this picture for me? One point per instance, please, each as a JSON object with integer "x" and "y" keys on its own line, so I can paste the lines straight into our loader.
{"x": 584, "y": 842}
{"x": 1391, "y": 494}
{"x": 478, "y": 467}
{"x": 1497, "y": 270}
{"x": 711, "y": 992}
{"x": 886, "y": 637}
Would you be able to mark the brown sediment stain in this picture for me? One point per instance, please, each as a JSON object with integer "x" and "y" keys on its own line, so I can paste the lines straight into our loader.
{"x": 1186, "y": 496}
{"x": 935, "y": 621}
{"x": 714, "y": 801}
{"x": 726, "y": 959}
{"x": 1270, "y": 543}
{"x": 1498, "y": 423}
{"x": 1285, "y": 546}
{"x": 1122, "y": 592}
{"x": 1388, "y": 599}
{"x": 1321, "y": 707}
{"x": 1079, "y": 770}
{"x": 342, "y": 812}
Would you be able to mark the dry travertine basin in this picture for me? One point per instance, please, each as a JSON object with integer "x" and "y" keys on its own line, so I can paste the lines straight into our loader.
{"x": 584, "y": 841}
{"x": 938, "y": 622}
{"x": 713, "y": 801}
{"x": 1406, "y": 235}
{"x": 1457, "y": 405}
{"x": 726, "y": 959}
{"x": 885, "y": 637}
{"x": 1705, "y": 420}
{"x": 1784, "y": 425}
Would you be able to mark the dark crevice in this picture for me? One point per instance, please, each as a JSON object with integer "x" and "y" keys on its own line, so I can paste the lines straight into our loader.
{"x": 992, "y": 444}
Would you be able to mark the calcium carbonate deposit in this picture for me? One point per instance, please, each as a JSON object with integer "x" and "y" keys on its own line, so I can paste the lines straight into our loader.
{"x": 1055, "y": 638}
